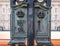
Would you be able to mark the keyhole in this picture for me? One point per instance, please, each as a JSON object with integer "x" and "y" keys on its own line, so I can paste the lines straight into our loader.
{"x": 39, "y": 26}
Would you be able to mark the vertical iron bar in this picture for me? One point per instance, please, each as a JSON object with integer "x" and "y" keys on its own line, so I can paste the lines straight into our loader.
{"x": 12, "y": 3}
{"x": 48, "y": 3}
{"x": 30, "y": 32}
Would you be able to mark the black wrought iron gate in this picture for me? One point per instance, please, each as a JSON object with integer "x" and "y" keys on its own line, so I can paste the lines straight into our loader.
{"x": 31, "y": 7}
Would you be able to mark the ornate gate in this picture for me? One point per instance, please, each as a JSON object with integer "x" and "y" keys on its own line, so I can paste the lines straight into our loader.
{"x": 30, "y": 19}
